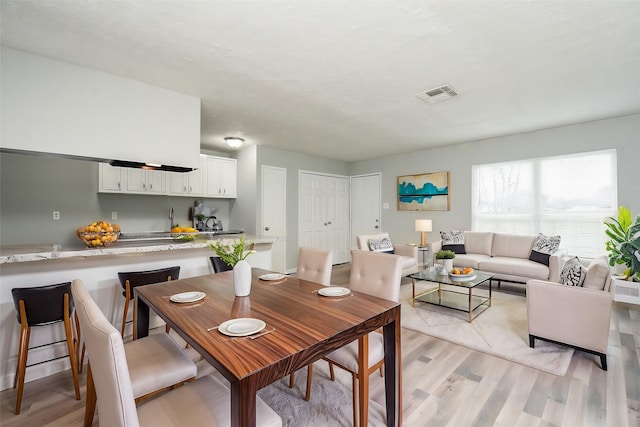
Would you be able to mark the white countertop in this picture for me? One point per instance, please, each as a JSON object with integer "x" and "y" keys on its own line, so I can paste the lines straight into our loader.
{"x": 44, "y": 252}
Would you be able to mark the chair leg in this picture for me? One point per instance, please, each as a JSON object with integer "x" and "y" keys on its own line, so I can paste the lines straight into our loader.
{"x": 603, "y": 361}
{"x": 381, "y": 369}
{"x": 354, "y": 386}
{"x": 532, "y": 341}
{"x": 124, "y": 315}
{"x": 23, "y": 350}
{"x": 91, "y": 400}
{"x": 291, "y": 379}
{"x": 331, "y": 371}
{"x": 307, "y": 395}
{"x": 77, "y": 341}
{"x": 70, "y": 346}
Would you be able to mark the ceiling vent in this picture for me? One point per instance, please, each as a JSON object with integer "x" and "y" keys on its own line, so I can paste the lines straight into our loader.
{"x": 437, "y": 94}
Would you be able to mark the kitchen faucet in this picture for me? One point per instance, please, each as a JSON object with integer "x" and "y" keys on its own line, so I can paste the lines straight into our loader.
{"x": 171, "y": 217}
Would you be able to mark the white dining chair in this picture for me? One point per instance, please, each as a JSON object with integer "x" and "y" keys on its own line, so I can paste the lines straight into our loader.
{"x": 156, "y": 363}
{"x": 378, "y": 275}
{"x": 203, "y": 402}
{"x": 314, "y": 265}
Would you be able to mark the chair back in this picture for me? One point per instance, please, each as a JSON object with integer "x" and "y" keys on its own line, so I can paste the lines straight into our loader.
{"x": 108, "y": 362}
{"x": 376, "y": 274}
{"x": 314, "y": 265}
{"x": 43, "y": 304}
{"x": 219, "y": 265}
{"x": 139, "y": 278}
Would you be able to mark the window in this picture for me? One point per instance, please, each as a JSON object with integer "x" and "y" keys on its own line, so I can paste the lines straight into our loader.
{"x": 567, "y": 195}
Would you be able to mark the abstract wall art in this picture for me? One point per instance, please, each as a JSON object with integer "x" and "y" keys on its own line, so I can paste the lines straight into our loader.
{"x": 425, "y": 192}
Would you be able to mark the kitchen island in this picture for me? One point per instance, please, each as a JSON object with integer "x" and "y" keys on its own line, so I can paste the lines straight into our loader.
{"x": 98, "y": 268}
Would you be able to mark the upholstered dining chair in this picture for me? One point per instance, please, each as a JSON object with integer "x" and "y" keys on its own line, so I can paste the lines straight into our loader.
{"x": 131, "y": 279}
{"x": 204, "y": 402}
{"x": 41, "y": 306}
{"x": 219, "y": 265}
{"x": 378, "y": 275}
{"x": 155, "y": 363}
{"x": 314, "y": 265}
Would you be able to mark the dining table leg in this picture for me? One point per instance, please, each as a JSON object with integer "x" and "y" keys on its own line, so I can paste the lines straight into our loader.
{"x": 393, "y": 372}
{"x": 141, "y": 325}
{"x": 243, "y": 403}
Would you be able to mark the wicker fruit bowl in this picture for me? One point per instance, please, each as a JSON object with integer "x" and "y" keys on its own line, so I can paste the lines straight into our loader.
{"x": 99, "y": 234}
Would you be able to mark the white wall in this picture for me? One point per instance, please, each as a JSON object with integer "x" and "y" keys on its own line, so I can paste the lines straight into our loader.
{"x": 619, "y": 133}
{"x": 50, "y": 106}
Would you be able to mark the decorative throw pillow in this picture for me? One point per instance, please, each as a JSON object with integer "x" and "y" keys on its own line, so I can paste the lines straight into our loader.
{"x": 573, "y": 272}
{"x": 453, "y": 241}
{"x": 543, "y": 248}
{"x": 383, "y": 245}
{"x": 597, "y": 274}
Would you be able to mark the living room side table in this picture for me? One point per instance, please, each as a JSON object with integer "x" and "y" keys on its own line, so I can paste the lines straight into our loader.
{"x": 463, "y": 301}
{"x": 424, "y": 251}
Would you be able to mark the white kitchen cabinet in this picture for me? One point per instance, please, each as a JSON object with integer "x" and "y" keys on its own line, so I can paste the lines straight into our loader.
{"x": 189, "y": 183}
{"x": 146, "y": 181}
{"x": 111, "y": 178}
{"x": 221, "y": 177}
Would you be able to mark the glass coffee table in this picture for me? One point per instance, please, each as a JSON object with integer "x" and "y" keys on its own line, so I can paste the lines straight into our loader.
{"x": 463, "y": 299}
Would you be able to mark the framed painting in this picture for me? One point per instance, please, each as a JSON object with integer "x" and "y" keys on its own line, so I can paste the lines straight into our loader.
{"x": 425, "y": 192}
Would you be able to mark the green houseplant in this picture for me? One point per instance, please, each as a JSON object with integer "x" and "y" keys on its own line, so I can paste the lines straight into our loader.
{"x": 233, "y": 252}
{"x": 447, "y": 260}
{"x": 445, "y": 255}
{"x": 624, "y": 244}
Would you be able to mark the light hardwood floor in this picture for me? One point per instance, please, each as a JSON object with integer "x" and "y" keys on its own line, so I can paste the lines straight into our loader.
{"x": 446, "y": 385}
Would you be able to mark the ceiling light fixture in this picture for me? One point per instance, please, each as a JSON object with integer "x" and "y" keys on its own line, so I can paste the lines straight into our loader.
{"x": 234, "y": 142}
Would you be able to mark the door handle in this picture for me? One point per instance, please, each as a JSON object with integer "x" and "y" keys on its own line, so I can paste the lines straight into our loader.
{"x": 266, "y": 229}
{"x": 376, "y": 227}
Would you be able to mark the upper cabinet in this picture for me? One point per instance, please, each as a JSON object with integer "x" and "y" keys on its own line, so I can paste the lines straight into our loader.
{"x": 216, "y": 178}
{"x": 189, "y": 183}
{"x": 221, "y": 177}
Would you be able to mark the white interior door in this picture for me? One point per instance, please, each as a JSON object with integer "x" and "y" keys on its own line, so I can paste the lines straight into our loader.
{"x": 274, "y": 213}
{"x": 365, "y": 206}
{"x": 324, "y": 214}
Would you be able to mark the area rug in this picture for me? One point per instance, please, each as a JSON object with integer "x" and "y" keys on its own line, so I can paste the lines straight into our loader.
{"x": 330, "y": 403}
{"x": 500, "y": 331}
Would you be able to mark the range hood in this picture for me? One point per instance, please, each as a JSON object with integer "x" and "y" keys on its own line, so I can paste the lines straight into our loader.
{"x": 149, "y": 166}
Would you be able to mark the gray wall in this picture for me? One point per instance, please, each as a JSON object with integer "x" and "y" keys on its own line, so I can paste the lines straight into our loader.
{"x": 32, "y": 187}
{"x": 293, "y": 163}
{"x": 619, "y": 133}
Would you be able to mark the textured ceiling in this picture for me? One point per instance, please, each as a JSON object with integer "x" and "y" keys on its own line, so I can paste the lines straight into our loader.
{"x": 338, "y": 78}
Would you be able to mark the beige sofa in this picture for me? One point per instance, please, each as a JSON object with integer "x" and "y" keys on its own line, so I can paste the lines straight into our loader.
{"x": 408, "y": 253}
{"x": 575, "y": 316}
{"x": 505, "y": 255}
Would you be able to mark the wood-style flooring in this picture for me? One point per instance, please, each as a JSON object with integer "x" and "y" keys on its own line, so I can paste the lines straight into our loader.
{"x": 445, "y": 385}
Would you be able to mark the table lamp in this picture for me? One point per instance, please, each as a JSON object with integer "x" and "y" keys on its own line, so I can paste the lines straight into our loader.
{"x": 423, "y": 225}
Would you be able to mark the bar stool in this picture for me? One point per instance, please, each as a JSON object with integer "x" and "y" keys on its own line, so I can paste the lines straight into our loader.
{"x": 40, "y": 306}
{"x": 219, "y": 265}
{"x": 130, "y": 280}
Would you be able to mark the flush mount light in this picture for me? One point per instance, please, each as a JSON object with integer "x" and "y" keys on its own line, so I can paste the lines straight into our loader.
{"x": 234, "y": 142}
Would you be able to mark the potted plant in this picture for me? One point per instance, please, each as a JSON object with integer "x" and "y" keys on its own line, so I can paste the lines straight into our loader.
{"x": 624, "y": 243}
{"x": 447, "y": 259}
{"x": 234, "y": 253}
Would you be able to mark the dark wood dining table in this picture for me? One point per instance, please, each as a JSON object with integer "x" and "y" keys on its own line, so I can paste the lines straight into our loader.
{"x": 306, "y": 327}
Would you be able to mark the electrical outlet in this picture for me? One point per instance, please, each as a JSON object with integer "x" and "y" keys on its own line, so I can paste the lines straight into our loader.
{"x": 114, "y": 215}
{"x": 56, "y": 215}
{"x": 385, "y": 205}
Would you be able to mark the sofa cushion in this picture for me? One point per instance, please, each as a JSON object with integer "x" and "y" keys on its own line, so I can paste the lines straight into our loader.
{"x": 573, "y": 272}
{"x": 453, "y": 241}
{"x": 543, "y": 248}
{"x": 515, "y": 267}
{"x": 470, "y": 260}
{"x": 383, "y": 245}
{"x": 597, "y": 273}
{"x": 478, "y": 242}
{"x": 512, "y": 245}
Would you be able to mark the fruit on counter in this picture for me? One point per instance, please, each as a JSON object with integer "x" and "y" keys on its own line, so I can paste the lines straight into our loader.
{"x": 183, "y": 230}
{"x": 99, "y": 233}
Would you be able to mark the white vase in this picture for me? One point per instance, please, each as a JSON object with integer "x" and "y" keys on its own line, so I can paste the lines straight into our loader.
{"x": 242, "y": 278}
{"x": 448, "y": 265}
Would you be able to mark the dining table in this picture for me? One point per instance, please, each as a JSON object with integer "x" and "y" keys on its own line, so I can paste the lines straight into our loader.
{"x": 300, "y": 327}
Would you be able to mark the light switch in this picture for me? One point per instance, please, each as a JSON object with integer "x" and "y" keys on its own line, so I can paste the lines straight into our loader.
{"x": 56, "y": 215}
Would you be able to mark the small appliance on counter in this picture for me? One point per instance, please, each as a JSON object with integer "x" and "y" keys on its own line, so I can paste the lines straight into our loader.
{"x": 204, "y": 218}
